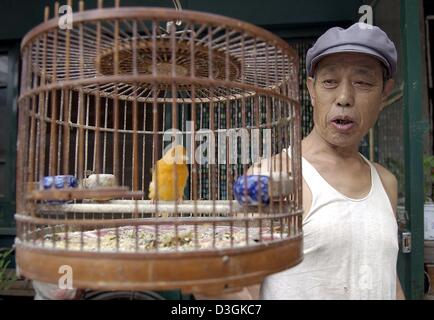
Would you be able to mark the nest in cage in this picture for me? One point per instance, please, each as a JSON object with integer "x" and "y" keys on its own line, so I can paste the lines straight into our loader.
{"x": 184, "y": 62}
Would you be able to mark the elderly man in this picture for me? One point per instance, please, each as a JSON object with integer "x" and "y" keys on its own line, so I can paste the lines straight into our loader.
{"x": 349, "y": 221}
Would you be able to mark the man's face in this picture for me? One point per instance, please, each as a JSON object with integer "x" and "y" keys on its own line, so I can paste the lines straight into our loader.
{"x": 346, "y": 95}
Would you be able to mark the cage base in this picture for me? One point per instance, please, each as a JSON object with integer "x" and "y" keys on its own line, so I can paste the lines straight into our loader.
{"x": 207, "y": 273}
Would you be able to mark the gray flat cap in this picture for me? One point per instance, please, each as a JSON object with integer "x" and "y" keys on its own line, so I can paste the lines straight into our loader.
{"x": 360, "y": 38}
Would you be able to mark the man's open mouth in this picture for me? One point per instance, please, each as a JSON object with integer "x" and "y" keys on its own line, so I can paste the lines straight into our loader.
{"x": 339, "y": 121}
{"x": 343, "y": 123}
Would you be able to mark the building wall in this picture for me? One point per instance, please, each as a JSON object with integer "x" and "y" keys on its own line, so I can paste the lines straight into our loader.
{"x": 18, "y": 16}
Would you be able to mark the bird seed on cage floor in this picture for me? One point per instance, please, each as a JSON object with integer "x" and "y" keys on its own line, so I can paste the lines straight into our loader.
{"x": 145, "y": 238}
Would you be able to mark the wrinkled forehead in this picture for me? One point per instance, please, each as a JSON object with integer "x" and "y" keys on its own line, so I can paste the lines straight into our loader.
{"x": 356, "y": 62}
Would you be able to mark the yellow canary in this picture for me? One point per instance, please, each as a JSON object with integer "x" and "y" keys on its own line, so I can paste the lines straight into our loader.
{"x": 173, "y": 163}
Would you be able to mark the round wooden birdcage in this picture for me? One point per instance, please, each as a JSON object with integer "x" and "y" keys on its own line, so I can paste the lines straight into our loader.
{"x": 102, "y": 102}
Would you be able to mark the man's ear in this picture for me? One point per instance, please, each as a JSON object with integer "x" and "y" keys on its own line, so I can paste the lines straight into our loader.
{"x": 388, "y": 87}
{"x": 310, "y": 86}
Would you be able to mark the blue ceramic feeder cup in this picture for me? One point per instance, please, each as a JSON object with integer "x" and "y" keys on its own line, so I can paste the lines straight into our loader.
{"x": 59, "y": 182}
{"x": 252, "y": 190}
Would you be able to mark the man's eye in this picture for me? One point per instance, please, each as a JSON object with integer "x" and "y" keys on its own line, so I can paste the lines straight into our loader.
{"x": 329, "y": 83}
{"x": 363, "y": 84}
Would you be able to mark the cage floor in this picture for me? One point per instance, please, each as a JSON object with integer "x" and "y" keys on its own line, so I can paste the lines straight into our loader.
{"x": 164, "y": 238}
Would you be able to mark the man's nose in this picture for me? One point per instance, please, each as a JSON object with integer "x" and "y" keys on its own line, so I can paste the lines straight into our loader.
{"x": 345, "y": 96}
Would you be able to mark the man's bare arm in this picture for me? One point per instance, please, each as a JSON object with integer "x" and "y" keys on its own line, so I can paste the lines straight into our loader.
{"x": 399, "y": 292}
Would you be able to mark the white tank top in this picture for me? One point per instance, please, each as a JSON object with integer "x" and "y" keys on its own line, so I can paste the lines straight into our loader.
{"x": 350, "y": 246}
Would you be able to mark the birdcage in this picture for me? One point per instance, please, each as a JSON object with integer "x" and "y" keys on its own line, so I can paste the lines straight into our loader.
{"x": 104, "y": 101}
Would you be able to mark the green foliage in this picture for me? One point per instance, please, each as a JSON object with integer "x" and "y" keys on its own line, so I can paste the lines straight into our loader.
{"x": 428, "y": 173}
{"x": 6, "y": 279}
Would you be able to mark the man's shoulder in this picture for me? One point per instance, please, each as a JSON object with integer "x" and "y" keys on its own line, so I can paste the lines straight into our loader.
{"x": 390, "y": 184}
{"x": 387, "y": 177}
